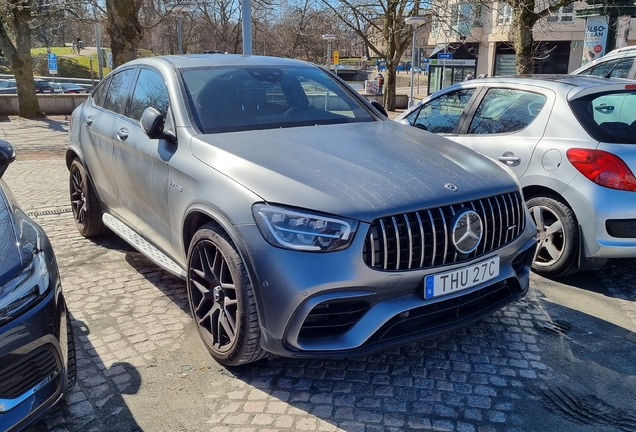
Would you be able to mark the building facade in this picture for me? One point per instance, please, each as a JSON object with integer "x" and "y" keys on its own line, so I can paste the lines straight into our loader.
{"x": 471, "y": 38}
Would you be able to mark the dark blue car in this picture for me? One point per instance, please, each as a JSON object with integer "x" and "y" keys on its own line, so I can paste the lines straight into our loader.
{"x": 37, "y": 352}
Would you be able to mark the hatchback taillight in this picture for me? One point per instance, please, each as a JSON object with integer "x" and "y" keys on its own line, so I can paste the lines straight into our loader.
{"x": 603, "y": 168}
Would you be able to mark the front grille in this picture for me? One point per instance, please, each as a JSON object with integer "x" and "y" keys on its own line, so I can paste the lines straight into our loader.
{"x": 27, "y": 372}
{"x": 423, "y": 239}
{"x": 332, "y": 318}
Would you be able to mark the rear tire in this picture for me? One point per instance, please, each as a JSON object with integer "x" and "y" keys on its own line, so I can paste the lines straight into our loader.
{"x": 558, "y": 237}
{"x": 87, "y": 211}
{"x": 221, "y": 299}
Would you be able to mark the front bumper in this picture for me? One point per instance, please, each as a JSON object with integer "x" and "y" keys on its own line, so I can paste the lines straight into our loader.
{"x": 33, "y": 357}
{"x": 367, "y": 309}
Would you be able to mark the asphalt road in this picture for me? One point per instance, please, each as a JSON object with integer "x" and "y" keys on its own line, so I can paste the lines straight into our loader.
{"x": 562, "y": 359}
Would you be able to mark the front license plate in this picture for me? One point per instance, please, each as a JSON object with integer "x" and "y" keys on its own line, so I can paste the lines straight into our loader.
{"x": 461, "y": 279}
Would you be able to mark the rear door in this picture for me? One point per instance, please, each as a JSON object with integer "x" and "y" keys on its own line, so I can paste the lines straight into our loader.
{"x": 99, "y": 121}
{"x": 507, "y": 122}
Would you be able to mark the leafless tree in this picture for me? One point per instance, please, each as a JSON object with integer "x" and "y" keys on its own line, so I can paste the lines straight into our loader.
{"x": 380, "y": 24}
{"x": 16, "y": 20}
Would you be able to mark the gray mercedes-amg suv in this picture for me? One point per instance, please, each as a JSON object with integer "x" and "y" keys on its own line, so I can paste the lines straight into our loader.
{"x": 304, "y": 222}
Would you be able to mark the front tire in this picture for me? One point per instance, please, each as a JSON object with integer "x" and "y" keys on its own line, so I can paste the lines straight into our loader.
{"x": 558, "y": 237}
{"x": 86, "y": 209}
{"x": 221, "y": 299}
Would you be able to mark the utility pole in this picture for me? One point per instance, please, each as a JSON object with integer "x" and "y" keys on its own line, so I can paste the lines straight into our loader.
{"x": 98, "y": 45}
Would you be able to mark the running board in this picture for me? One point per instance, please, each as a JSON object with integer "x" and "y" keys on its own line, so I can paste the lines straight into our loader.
{"x": 143, "y": 246}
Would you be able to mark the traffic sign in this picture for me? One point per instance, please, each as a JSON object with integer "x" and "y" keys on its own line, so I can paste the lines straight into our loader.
{"x": 52, "y": 63}
{"x": 445, "y": 55}
{"x": 336, "y": 57}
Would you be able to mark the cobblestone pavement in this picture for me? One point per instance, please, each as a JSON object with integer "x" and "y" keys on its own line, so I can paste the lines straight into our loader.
{"x": 141, "y": 365}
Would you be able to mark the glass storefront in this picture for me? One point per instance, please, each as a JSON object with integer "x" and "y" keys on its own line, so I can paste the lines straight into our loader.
{"x": 444, "y": 72}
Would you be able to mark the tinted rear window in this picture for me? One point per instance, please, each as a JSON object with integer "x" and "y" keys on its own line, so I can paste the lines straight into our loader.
{"x": 608, "y": 117}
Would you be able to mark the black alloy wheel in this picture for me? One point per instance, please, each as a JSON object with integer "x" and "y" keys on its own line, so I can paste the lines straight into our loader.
{"x": 221, "y": 299}
{"x": 84, "y": 203}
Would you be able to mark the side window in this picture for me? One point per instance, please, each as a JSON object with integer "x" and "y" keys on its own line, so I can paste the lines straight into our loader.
{"x": 118, "y": 91}
{"x": 99, "y": 95}
{"x": 608, "y": 117}
{"x": 505, "y": 111}
{"x": 150, "y": 91}
{"x": 622, "y": 68}
{"x": 601, "y": 69}
{"x": 442, "y": 114}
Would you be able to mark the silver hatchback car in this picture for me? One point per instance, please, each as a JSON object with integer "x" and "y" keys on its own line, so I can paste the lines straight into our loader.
{"x": 304, "y": 222}
{"x": 571, "y": 141}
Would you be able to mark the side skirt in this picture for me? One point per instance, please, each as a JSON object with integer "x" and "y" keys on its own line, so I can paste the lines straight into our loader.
{"x": 143, "y": 246}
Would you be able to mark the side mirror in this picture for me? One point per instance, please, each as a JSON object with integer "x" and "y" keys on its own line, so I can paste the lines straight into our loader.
{"x": 405, "y": 122}
{"x": 7, "y": 155}
{"x": 377, "y": 105}
{"x": 152, "y": 124}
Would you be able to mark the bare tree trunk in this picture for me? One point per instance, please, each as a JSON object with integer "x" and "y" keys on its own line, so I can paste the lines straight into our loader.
{"x": 523, "y": 22}
{"x": 124, "y": 29}
{"x": 390, "y": 86}
{"x": 19, "y": 57}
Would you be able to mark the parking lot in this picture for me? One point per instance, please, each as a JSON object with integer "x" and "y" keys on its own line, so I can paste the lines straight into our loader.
{"x": 562, "y": 359}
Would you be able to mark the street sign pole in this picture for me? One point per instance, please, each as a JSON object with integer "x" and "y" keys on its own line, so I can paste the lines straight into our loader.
{"x": 52, "y": 64}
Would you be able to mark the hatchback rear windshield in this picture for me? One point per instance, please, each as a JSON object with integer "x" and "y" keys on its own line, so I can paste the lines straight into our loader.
{"x": 608, "y": 117}
{"x": 228, "y": 99}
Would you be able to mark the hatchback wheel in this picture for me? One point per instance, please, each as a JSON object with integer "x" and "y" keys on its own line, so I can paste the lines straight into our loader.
{"x": 86, "y": 209}
{"x": 558, "y": 237}
{"x": 221, "y": 299}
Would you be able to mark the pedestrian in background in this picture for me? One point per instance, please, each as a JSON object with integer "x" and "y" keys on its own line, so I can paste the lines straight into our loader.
{"x": 74, "y": 48}
{"x": 380, "y": 79}
{"x": 78, "y": 44}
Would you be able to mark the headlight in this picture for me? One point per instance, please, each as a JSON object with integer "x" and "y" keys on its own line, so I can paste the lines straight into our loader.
{"x": 297, "y": 230}
{"x": 24, "y": 289}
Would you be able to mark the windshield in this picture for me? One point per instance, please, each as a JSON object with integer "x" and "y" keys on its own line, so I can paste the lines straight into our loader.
{"x": 227, "y": 99}
{"x": 608, "y": 117}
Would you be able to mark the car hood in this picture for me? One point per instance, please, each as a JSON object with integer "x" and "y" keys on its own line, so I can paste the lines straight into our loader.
{"x": 10, "y": 262}
{"x": 358, "y": 170}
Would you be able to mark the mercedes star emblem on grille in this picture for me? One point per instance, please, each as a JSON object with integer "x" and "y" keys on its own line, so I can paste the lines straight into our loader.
{"x": 467, "y": 232}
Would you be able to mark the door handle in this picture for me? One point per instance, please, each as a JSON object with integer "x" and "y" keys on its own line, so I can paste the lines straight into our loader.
{"x": 89, "y": 120}
{"x": 122, "y": 134}
{"x": 509, "y": 160}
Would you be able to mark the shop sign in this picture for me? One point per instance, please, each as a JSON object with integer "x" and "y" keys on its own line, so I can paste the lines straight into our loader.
{"x": 453, "y": 62}
{"x": 595, "y": 41}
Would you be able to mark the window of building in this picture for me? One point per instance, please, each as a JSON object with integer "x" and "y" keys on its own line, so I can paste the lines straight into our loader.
{"x": 465, "y": 15}
{"x": 565, "y": 14}
{"x": 504, "y": 14}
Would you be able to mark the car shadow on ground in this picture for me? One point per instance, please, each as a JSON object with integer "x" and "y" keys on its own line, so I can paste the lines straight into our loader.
{"x": 615, "y": 280}
{"x": 591, "y": 381}
{"x": 97, "y": 396}
{"x": 171, "y": 286}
